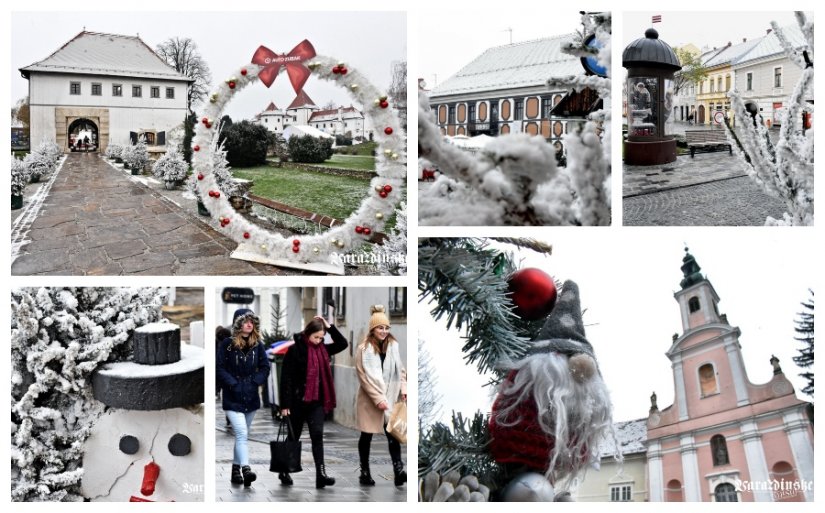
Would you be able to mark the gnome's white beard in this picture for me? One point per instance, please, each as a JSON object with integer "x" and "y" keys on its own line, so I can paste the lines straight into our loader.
{"x": 577, "y": 415}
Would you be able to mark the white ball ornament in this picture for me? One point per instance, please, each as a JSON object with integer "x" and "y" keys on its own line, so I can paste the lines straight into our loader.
{"x": 528, "y": 487}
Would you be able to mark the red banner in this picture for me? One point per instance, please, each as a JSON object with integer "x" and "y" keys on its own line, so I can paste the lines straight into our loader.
{"x": 292, "y": 61}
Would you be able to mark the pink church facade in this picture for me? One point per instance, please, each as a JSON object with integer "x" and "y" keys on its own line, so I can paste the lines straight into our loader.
{"x": 725, "y": 438}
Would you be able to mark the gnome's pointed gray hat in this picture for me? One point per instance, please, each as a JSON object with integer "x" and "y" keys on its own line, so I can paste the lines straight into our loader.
{"x": 563, "y": 332}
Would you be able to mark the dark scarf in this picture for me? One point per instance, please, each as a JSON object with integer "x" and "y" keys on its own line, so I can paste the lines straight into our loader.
{"x": 319, "y": 372}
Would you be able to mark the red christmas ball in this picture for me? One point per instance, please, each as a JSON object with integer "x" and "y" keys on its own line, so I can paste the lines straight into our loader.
{"x": 383, "y": 194}
{"x": 245, "y": 234}
{"x": 225, "y": 221}
{"x": 205, "y": 120}
{"x": 217, "y": 194}
{"x": 359, "y": 229}
{"x": 231, "y": 85}
{"x": 388, "y": 188}
{"x": 243, "y": 72}
{"x": 200, "y": 176}
{"x": 532, "y": 292}
{"x": 196, "y": 148}
{"x": 343, "y": 71}
{"x": 209, "y": 125}
{"x": 367, "y": 231}
{"x": 384, "y": 104}
{"x": 388, "y": 130}
{"x": 336, "y": 70}
{"x": 296, "y": 249}
{"x": 296, "y": 242}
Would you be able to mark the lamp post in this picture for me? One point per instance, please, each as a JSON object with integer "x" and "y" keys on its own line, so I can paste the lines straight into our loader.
{"x": 651, "y": 64}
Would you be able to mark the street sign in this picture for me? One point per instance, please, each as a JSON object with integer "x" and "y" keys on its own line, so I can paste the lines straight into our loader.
{"x": 238, "y": 295}
{"x": 718, "y": 117}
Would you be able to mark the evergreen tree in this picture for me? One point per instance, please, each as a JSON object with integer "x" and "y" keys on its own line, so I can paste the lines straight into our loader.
{"x": 805, "y": 328}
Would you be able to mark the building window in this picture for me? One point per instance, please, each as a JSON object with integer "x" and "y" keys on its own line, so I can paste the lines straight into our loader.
{"x": 693, "y": 304}
{"x": 117, "y": 90}
{"x": 712, "y": 88}
{"x": 719, "y": 84}
{"x": 707, "y": 380}
{"x": 137, "y": 91}
{"x": 701, "y": 87}
{"x": 719, "y": 450}
{"x": 750, "y": 82}
{"x": 170, "y": 93}
{"x": 673, "y": 491}
{"x": 725, "y": 492}
{"x": 621, "y": 493}
{"x": 471, "y": 109}
{"x": 546, "y": 106}
{"x": 74, "y": 88}
{"x": 451, "y": 115}
{"x": 727, "y": 83}
{"x": 154, "y": 92}
{"x": 398, "y": 302}
{"x": 97, "y": 90}
{"x": 777, "y": 77}
{"x": 519, "y": 110}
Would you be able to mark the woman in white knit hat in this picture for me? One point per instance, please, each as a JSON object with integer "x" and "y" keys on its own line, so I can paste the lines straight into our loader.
{"x": 383, "y": 382}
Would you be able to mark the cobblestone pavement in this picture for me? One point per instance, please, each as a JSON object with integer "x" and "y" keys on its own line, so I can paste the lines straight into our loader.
{"x": 732, "y": 202}
{"x": 97, "y": 220}
{"x": 341, "y": 459}
{"x": 685, "y": 171}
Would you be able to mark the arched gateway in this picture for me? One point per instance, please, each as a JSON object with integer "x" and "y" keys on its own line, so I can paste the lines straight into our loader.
{"x": 83, "y": 135}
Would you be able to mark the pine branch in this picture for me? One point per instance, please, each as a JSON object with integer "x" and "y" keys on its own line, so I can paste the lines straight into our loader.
{"x": 528, "y": 243}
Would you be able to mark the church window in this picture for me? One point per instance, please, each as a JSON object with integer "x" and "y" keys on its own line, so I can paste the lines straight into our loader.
{"x": 97, "y": 89}
{"x": 137, "y": 91}
{"x": 155, "y": 92}
{"x": 170, "y": 93}
{"x": 719, "y": 451}
{"x": 725, "y": 492}
{"x": 693, "y": 304}
{"x": 707, "y": 380}
{"x": 117, "y": 90}
{"x": 74, "y": 88}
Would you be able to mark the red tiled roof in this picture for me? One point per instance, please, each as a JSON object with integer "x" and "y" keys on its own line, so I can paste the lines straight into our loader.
{"x": 271, "y": 107}
{"x": 302, "y": 100}
{"x": 331, "y": 112}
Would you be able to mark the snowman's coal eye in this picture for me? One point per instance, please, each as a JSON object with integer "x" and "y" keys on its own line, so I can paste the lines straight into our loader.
{"x": 129, "y": 444}
{"x": 180, "y": 445}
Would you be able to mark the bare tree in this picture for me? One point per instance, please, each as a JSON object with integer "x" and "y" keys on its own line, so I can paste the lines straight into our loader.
{"x": 182, "y": 54}
{"x": 20, "y": 111}
{"x": 428, "y": 398}
{"x": 398, "y": 90}
{"x": 330, "y": 105}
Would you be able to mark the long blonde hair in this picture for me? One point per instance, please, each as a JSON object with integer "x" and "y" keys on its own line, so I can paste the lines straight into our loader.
{"x": 376, "y": 344}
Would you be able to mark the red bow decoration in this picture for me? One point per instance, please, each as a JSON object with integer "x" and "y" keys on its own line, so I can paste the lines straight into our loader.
{"x": 272, "y": 62}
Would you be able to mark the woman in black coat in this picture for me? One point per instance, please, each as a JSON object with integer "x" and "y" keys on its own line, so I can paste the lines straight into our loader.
{"x": 242, "y": 366}
{"x": 308, "y": 390}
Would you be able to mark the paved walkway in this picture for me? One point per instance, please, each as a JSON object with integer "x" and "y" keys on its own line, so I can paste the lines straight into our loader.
{"x": 96, "y": 220}
{"x": 341, "y": 459}
{"x": 685, "y": 171}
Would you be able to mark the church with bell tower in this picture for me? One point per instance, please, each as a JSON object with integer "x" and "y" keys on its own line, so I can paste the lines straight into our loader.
{"x": 724, "y": 438}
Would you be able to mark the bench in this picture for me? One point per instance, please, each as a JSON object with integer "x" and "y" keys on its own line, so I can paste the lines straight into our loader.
{"x": 708, "y": 140}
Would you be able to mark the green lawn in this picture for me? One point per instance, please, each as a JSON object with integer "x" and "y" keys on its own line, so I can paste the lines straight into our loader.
{"x": 335, "y": 196}
{"x": 366, "y": 148}
{"x": 365, "y": 162}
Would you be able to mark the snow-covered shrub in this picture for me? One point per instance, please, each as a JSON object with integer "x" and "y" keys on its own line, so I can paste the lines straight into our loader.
{"x": 170, "y": 167}
{"x": 221, "y": 170}
{"x": 391, "y": 256}
{"x": 137, "y": 156}
{"x": 50, "y": 152}
{"x": 114, "y": 151}
{"x": 37, "y": 165}
{"x": 59, "y": 336}
{"x": 19, "y": 176}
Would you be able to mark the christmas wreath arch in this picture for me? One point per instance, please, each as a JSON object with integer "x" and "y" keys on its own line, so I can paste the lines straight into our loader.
{"x": 385, "y": 188}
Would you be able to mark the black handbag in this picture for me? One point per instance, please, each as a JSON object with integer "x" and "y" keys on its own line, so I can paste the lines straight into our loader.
{"x": 286, "y": 454}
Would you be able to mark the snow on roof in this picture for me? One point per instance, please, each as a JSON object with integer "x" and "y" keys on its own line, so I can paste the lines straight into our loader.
{"x": 729, "y": 54}
{"x": 191, "y": 359}
{"x": 106, "y": 54}
{"x": 530, "y": 63}
{"x": 332, "y": 114}
{"x": 631, "y": 436}
{"x": 769, "y": 45}
{"x": 158, "y": 327}
{"x": 302, "y": 100}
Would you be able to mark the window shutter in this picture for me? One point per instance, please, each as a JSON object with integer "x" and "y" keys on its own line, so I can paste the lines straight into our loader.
{"x": 161, "y": 138}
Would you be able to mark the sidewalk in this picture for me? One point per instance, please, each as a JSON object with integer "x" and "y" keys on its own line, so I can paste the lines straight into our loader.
{"x": 341, "y": 459}
{"x": 684, "y": 172}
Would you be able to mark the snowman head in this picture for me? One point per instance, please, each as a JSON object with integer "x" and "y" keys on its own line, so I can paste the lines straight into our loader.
{"x": 148, "y": 446}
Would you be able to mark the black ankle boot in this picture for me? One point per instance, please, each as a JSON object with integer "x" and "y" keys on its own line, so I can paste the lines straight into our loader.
{"x": 236, "y": 477}
{"x": 285, "y": 478}
{"x": 400, "y": 475}
{"x": 321, "y": 477}
{"x": 248, "y": 475}
{"x": 365, "y": 478}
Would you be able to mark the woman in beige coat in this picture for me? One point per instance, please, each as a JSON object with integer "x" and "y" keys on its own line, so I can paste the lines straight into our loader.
{"x": 383, "y": 382}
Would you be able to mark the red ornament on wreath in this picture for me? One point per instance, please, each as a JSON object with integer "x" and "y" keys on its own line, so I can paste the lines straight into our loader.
{"x": 532, "y": 292}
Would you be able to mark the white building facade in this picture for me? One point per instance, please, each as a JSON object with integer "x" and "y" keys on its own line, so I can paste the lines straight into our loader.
{"x": 114, "y": 87}
{"x": 346, "y": 121}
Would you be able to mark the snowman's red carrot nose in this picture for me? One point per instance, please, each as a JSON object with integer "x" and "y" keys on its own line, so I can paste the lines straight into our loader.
{"x": 150, "y": 476}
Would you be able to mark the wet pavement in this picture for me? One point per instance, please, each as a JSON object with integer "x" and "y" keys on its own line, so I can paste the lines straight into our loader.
{"x": 94, "y": 219}
{"x": 341, "y": 459}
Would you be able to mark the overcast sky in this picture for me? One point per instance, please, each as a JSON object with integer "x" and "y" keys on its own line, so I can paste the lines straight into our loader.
{"x": 703, "y": 28}
{"x": 627, "y": 280}
{"x": 459, "y": 37}
{"x": 368, "y": 41}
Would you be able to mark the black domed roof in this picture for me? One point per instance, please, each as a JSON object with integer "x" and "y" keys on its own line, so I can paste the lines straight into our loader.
{"x": 651, "y": 52}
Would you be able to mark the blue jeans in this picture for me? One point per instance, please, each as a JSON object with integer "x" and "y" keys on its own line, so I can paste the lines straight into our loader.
{"x": 241, "y": 422}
